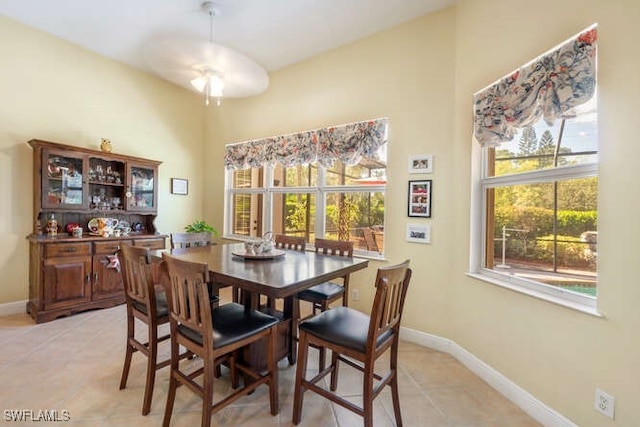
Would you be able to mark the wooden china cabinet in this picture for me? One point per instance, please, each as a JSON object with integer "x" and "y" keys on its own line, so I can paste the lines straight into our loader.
{"x": 78, "y": 187}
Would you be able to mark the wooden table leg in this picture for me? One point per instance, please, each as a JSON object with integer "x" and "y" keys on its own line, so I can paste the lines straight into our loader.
{"x": 292, "y": 311}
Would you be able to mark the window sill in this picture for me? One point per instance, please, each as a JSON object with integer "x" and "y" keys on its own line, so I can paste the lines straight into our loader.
{"x": 592, "y": 311}
{"x": 374, "y": 257}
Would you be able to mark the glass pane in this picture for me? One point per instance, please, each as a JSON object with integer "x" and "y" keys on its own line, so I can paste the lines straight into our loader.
{"x": 547, "y": 233}
{"x": 142, "y": 185}
{"x": 358, "y": 217}
{"x": 575, "y": 139}
{"x": 106, "y": 186}
{"x": 296, "y": 176}
{"x": 104, "y": 171}
{"x": 294, "y": 214}
{"x": 64, "y": 176}
{"x": 248, "y": 178}
{"x": 247, "y": 214}
{"x": 366, "y": 172}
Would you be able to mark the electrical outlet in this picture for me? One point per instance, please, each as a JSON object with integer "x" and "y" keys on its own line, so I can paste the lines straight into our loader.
{"x": 604, "y": 403}
{"x": 355, "y": 295}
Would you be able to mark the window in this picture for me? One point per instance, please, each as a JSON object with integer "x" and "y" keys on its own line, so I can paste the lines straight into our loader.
{"x": 341, "y": 202}
{"x": 342, "y": 199}
{"x": 539, "y": 181}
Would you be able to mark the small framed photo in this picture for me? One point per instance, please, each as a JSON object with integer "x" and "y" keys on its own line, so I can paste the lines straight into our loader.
{"x": 420, "y": 198}
{"x": 421, "y": 164}
{"x": 179, "y": 186}
{"x": 419, "y": 233}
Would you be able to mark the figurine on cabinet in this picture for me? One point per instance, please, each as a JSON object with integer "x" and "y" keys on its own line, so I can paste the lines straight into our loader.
{"x": 105, "y": 145}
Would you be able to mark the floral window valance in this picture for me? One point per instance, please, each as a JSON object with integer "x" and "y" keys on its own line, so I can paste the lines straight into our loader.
{"x": 348, "y": 143}
{"x": 547, "y": 87}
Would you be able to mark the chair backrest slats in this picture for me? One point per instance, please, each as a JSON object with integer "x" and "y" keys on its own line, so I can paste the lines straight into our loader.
{"x": 391, "y": 289}
{"x": 334, "y": 247}
{"x": 189, "y": 240}
{"x": 136, "y": 275}
{"x": 295, "y": 243}
{"x": 189, "y": 297}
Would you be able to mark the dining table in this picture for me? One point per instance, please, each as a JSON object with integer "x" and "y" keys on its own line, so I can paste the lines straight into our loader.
{"x": 278, "y": 274}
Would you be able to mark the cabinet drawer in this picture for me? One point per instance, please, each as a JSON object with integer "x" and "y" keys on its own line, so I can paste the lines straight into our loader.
{"x": 67, "y": 249}
{"x": 150, "y": 243}
{"x": 110, "y": 247}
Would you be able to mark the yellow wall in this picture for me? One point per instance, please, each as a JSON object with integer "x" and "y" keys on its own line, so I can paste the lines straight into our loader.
{"x": 52, "y": 90}
{"x": 405, "y": 74}
{"x": 557, "y": 354}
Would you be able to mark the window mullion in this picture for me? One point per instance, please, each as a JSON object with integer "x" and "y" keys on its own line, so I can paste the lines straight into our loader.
{"x": 320, "y": 202}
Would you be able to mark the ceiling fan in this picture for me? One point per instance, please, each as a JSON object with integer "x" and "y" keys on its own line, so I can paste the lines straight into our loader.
{"x": 215, "y": 70}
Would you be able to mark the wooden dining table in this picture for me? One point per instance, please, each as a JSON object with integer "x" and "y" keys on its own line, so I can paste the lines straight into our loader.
{"x": 281, "y": 276}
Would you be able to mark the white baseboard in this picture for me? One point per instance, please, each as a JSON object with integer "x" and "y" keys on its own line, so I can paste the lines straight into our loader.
{"x": 523, "y": 399}
{"x": 15, "y": 307}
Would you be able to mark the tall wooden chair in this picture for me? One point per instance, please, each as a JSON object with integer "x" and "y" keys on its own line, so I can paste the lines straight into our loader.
{"x": 215, "y": 335}
{"x": 188, "y": 240}
{"x": 323, "y": 295}
{"x": 148, "y": 304}
{"x": 352, "y": 335}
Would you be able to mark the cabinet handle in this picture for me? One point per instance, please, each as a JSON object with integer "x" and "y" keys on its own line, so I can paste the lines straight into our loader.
{"x": 95, "y": 278}
{"x": 71, "y": 249}
{"x": 88, "y": 278}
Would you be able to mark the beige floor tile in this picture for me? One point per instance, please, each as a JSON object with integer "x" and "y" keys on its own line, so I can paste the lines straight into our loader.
{"x": 75, "y": 363}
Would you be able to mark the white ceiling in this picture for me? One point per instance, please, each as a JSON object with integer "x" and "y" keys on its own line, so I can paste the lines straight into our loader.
{"x": 274, "y": 33}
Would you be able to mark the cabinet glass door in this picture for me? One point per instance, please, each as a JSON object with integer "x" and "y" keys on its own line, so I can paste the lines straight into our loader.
{"x": 142, "y": 189}
{"x": 106, "y": 184}
{"x": 63, "y": 180}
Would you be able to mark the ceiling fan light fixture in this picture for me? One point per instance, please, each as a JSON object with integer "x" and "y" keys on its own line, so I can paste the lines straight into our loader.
{"x": 216, "y": 86}
{"x": 199, "y": 83}
{"x": 211, "y": 84}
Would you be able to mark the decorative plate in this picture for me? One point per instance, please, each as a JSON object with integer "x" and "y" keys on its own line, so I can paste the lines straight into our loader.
{"x": 274, "y": 253}
{"x": 93, "y": 224}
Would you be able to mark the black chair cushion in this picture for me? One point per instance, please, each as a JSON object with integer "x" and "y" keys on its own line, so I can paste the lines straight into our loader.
{"x": 323, "y": 291}
{"x": 162, "y": 306}
{"x": 343, "y": 326}
{"x": 231, "y": 323}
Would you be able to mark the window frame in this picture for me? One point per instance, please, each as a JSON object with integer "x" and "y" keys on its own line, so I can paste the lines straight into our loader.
{"x": 320, "y": 191}
{"x": 479, "y": 240}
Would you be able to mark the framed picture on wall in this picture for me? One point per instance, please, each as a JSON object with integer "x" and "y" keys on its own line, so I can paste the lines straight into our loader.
{"x": 420, "y": 198}
{"x": 421, "y": 164}
{"x": 179, "y": 186}
{"x": 419, "y": 233}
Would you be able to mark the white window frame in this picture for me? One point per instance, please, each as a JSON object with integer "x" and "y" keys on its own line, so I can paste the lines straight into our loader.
{"x": 319, "y": 191}
{"x": 482, "y": 182}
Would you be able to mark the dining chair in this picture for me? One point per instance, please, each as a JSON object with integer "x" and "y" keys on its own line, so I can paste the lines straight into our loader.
{"x": 188, "y": 240}
{"x": 357, "y": 340}
{"x": 215, "y": 335}
{"x": 148, "y": 304}
{"x": 323, "y": 295}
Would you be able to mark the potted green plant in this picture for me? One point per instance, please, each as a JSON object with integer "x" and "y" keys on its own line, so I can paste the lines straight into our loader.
{"x": 200, "y": 226}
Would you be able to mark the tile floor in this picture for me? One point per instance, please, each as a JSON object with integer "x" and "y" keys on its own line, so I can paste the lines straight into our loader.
{"x": 74, "y": 364}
